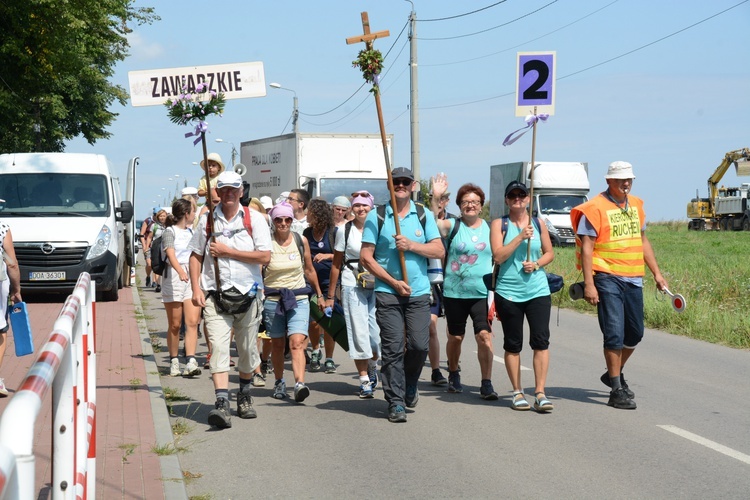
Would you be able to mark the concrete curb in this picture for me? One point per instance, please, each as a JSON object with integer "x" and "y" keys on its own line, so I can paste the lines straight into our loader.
{"x": 172, "y": 478}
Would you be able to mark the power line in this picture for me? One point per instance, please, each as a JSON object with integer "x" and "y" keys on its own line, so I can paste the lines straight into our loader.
{"x": 461, "y": 15}
{"x": 598, "y": 64}
{"x": 490, "y": 29}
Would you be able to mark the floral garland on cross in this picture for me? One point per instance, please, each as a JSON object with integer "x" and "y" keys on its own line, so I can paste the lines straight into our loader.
{"x": 196, "y": 105}
{"x": 370, "y": 62}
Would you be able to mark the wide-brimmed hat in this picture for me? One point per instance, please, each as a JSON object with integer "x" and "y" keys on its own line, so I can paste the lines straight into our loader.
{"x": 214, "y": 157}
{"x": 516, "y": 185}
{"x": 620, "y": 170}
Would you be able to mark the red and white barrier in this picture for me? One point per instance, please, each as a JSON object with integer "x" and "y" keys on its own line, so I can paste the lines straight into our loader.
{"x": 67, "y": 364}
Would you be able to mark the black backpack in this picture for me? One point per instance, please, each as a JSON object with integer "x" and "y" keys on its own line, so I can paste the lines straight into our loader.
{"x": 158, "y": 262}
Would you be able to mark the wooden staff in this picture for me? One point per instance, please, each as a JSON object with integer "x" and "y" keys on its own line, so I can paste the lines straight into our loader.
{"x": 368, "y": 38}
{"x": 210, "y": 214}
{"x": 531, "y": 185}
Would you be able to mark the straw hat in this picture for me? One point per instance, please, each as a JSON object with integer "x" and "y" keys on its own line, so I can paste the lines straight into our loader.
{"x": 214, "y": 157}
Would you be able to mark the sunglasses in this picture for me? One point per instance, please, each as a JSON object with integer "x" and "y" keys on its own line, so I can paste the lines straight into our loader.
{"x": 283, "y": 220}
{"x": 515, "y": 195}
{"x": 402, "y": 182}
{"x": 361, "y": 193}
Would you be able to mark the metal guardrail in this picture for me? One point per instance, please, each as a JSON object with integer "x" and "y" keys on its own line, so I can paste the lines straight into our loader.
{"x": 67, "y": 365}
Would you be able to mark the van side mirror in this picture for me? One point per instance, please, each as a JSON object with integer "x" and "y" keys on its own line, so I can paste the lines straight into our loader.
{"x": 124, "y": 213}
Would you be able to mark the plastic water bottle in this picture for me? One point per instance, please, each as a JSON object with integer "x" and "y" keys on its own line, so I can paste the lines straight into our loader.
{"x": 328, "y": 311}
{"x": 435, "y": 271}
{"x": 253, "y": 290}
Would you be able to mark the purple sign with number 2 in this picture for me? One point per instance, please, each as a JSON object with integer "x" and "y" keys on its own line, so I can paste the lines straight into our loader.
{"x": 535, "y": 79}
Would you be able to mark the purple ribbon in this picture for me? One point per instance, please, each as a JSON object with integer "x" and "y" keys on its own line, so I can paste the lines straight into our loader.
{"x": 530, "y": 121}
{"x": 202, "y": 127}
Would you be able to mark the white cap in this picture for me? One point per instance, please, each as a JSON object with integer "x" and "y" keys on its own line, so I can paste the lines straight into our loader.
{"x": 620, "y": 170}
{"x": 229, "y": 179}
{"x": 189, "y": 191}
{"x": 266, "y": 202}
{"x": 282, "y": 197}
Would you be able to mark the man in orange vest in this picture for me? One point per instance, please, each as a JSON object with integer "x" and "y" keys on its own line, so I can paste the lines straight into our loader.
{"x": 611, "y": 248}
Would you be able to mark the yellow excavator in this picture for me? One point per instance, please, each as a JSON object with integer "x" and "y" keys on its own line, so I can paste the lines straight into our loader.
{"x": 725, "y": 208}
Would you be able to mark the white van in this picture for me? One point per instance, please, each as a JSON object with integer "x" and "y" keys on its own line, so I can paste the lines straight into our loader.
{"x": 66, "y": 217}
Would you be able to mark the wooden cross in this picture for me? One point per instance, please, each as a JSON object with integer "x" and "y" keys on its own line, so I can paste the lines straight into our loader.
{"x": 368, "y": 37}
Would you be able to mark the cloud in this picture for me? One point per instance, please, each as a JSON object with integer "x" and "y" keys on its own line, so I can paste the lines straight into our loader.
{"x": 143, "y": 49}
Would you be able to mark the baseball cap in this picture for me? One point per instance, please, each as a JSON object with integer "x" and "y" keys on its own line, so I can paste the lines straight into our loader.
{"x": 229, "y": 179}
{"x": 620, "y": 170}
{"x": 402, "y": 173}
{"x": 266, "y": 202}
{"x": 189, "y": 191}
{"x": 516, "y": 185}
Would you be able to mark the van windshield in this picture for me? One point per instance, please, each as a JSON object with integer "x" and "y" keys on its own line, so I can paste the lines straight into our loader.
{"x": 331, "y": 188}
{"x": 53, "y": 194}
{"x": 559, "y": 203}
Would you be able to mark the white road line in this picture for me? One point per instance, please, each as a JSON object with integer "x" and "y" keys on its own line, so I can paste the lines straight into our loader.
{"x": 502, "y": 362}
{"x": 707, "y": 443}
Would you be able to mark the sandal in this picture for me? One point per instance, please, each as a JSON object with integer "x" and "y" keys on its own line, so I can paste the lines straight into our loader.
{"x": 541, "y": 403}
{"x": 519, "y": 402}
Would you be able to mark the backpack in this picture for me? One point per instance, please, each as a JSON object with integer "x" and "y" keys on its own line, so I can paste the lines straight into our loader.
{"x": 158, "y": 260}
{"x": 420, "y": 214}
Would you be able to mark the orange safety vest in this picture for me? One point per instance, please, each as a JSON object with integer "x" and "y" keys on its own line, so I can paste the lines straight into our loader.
{"x": 618, "y": 248}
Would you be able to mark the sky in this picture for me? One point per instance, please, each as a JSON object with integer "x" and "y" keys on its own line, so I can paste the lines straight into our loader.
{"x": 664, "y": 85}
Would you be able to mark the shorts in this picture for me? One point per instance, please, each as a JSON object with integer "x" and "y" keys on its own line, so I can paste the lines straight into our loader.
{"x": 620, "y": 311}
{"x": 173, "y": 289}
{"x": 295, "y": 321}
{"x": 537, "y": 313}
{"x": 458, "y": 310}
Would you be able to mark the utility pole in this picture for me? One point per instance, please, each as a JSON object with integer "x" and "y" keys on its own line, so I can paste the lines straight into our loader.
{"x": 414, "y": 95}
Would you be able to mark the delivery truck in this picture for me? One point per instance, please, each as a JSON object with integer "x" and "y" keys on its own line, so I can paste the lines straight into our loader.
{"x": 325, "y": 165}
{"x": 558, "y": 187}
{"x": 66, "y": 217}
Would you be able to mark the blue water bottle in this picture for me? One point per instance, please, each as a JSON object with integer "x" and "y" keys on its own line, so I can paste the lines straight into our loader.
{"x": 253, "y": 290}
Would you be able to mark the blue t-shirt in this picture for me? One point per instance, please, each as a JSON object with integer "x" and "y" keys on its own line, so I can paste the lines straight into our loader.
{"x": 385, "y": 247}
{"x": 469, "y": 259}
{"x": 512, "y": 282}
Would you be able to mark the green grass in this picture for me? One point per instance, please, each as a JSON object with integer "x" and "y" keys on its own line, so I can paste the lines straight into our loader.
{"x": 708, "y": 268}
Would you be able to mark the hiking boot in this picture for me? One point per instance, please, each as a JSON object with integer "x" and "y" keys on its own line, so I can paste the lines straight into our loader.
{"x": 620, "y": 400}
{"x": 315, "y": 361}
{"x": 3, "y": 389}
{"x": 174, "y": 368}
{"x": 158, "y": 288}
{"x": 605, "y": 380}
{"x": 148, "y": 281}
{"x": 300, "y": 392}
{"x": 397, "y": 414}
{"x": 330, "y": 366}
{"x": 279, "y": 389}
{"x": 245, "y": 405}
{"x": 258, "y": 380}
{"x": 437, "y": 378}
{"x": 454, "y": 382}
{"x": 372, "y": 372}
{"x": 487, "y": 392}
{"x": 191, "y": 369}
{"x": 365, "y": 391}
{"x": 219, "y": 416}
{"x": 411, "y": 398}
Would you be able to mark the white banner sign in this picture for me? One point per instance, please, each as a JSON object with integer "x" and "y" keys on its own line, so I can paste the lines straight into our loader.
{"x": 236, "y": 81}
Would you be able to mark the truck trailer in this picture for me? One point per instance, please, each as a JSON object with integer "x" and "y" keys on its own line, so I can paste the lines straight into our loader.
{"x": 325, "y": 165}
{"x": 558, "y": 187}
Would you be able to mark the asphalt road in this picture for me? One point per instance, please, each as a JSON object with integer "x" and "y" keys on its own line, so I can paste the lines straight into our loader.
{"x": 689, "y": 437}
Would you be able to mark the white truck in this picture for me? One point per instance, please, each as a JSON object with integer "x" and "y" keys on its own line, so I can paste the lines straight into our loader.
{"x": 66, "y": 217}
{"x": 558, "y": 187}
{"x": 325, "y": 165}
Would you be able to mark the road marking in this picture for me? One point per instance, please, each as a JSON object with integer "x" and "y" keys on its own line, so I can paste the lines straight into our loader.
{"x": 502, "y": 362}
{"x": 707, "y": 443}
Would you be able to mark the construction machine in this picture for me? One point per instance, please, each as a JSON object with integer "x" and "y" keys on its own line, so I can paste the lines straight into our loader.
{"x": 725, "y": 208}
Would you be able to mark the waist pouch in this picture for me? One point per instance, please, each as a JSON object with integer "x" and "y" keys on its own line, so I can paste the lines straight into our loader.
{"x": 231, "y": 300}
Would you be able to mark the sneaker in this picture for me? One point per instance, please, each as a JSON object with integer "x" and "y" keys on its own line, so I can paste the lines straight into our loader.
{"x": 207, "y": 364}
{"x": 372, "y": 372}
{"x": 454, "y": 382}
{"x": 330, "y": 366}
{"x": 174, "y": 368}
{"x": 487, "y": 392}
{"x": 620, "y": 400}
{"x": 605, "y": 380}
{"x": 300, "y": 392}
{"x": 219, "y": 416}
{"x": 412, "y": 396}
{"x": 315, "y": 361}
{"x": 437, "y": 378}
{"x": 279, "y": 389}
{"x": 264, "y": 365}
{"x": 258, "y": 380}
{"x": 245, "y": 405}
{"x": 542, "y": 404}
{"x": 191, "y": 368}
{"x": 365, "y": 391}
{"x": 397, "y": 414}
{"x": 158, "y": 288}
{"x": 148, "y": 281}
{"x": 3, "y": 389}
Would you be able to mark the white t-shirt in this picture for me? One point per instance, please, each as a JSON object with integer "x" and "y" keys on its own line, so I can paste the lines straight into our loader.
{"x": 353, "y": 245}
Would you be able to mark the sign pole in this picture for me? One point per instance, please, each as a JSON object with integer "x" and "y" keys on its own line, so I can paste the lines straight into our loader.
{"x": 210, "y": 205}
{"x": 531, "y": 184}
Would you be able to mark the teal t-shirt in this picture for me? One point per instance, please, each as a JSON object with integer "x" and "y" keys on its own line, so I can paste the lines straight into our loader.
{"x": 512, "y": 282}
{"x": 385, "y": 247}
{"x": 469, "y": 259}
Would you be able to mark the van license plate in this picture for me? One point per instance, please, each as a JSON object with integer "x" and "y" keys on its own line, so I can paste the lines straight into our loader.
{"x": 47, "y": 276}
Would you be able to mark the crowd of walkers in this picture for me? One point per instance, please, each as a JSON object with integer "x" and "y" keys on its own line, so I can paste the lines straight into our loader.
{"x": 259, "y": 274}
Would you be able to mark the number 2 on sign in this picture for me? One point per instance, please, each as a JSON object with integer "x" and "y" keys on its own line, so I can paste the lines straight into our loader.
{"x": 535, "y": 83}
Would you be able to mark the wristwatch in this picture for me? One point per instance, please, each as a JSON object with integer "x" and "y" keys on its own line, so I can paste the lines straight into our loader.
{"x": 536, "y": 266}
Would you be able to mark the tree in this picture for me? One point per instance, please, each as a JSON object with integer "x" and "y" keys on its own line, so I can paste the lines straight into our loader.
{"x": 56, "y": 59}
